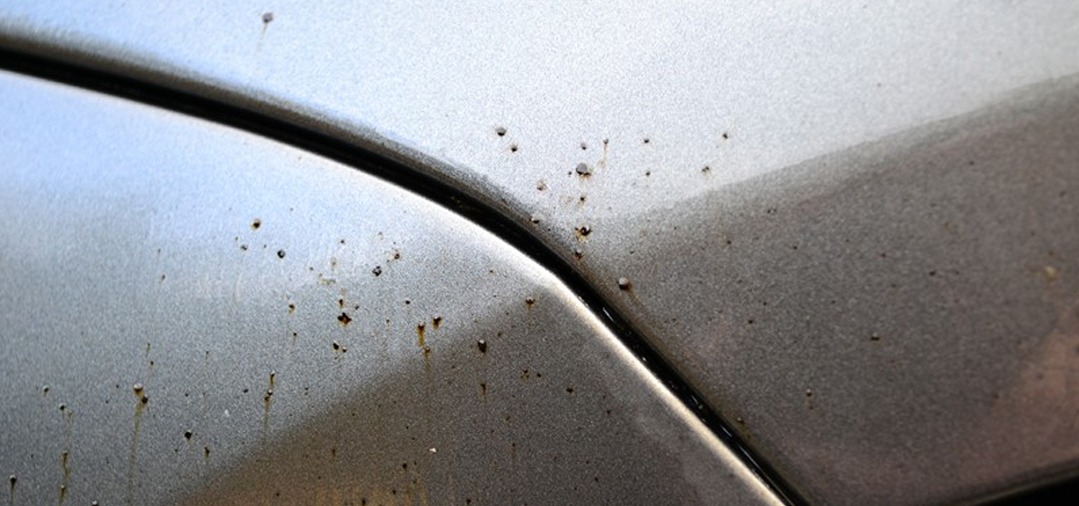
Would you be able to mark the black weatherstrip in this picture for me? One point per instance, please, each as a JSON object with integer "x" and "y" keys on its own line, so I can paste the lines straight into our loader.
{"x": 446, "y": 195}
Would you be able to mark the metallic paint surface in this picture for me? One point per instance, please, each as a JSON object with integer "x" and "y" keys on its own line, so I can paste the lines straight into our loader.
{"x": 844, "y": 130}
{"x": 191, "y": 315}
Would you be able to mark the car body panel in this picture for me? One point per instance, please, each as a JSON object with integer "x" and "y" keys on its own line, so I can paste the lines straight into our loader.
{"x": 744, "y": 167}
{"x": 196, "y": 314}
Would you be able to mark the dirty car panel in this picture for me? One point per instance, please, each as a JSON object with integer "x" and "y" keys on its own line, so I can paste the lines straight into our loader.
{"x": 196, "y": 314}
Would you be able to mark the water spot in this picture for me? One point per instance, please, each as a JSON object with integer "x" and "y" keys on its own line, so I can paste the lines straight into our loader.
{"x": 482, "y": 346}
{"x": 256, "y": 224}
{"x": 437, "y": 321}
{"x": 624, "y": 284}
{"x": 500, "y": 131}
{"x": 344, "y": 318}
{"x": 377, "y": 271}
{"x": 1051, "y": 273}
{"x": 280, "y": 253}
{"x": 583, "y": 169}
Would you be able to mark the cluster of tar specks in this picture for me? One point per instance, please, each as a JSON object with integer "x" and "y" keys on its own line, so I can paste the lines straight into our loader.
{"x": 501, "y": 132}
{"x": 592, "y": 168}
{"x": 245, "y": 246}
{"x": 193, "y": 439}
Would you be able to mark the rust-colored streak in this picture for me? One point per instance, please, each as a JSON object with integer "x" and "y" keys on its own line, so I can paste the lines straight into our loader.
{"x": 140, "y": 404}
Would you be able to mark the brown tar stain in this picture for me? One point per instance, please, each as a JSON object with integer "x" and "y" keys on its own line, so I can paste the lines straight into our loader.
{"x": 67, "y": 475}
{"x": 582, "y": 231}
{"x": 267, "y": 399}
{"x": 344, "y": 318}
{"x": 140, "y": 404}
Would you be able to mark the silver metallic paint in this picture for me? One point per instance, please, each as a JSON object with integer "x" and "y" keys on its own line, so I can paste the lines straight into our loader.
{"x": 815, "y": 122}
{"x": 161, "y": 274}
